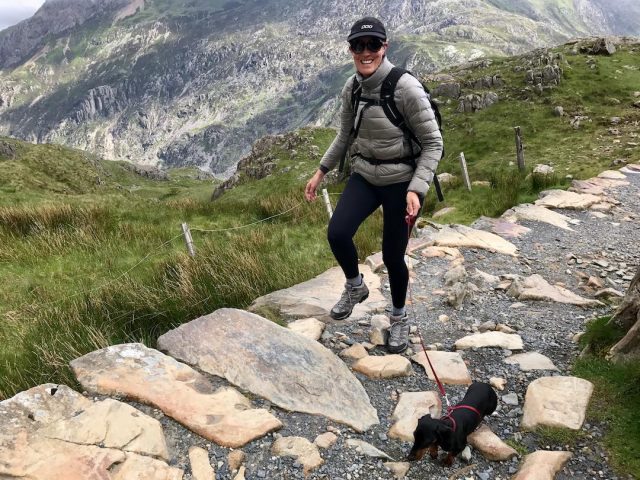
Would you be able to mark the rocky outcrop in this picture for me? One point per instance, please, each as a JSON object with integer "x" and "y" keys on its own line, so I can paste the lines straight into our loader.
{"x": 600, "y": 46}
{"x": 52, "y": 19}
{"x": 474, "y": 102}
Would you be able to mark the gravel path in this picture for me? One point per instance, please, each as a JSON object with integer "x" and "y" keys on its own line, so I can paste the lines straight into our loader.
{"x": 558, "y": 255}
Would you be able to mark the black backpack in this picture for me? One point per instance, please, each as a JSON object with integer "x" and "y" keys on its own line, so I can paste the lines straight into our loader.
{"x": 390, "y": 109}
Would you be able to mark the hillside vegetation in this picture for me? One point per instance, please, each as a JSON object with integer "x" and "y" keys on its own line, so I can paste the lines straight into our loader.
{"x": 91, "y": 252}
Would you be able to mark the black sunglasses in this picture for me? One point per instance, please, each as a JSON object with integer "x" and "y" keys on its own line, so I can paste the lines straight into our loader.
{"x": 373, "y": 45}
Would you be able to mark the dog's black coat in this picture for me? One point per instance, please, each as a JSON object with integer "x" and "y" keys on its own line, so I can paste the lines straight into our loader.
{"x": 432, "y": 433}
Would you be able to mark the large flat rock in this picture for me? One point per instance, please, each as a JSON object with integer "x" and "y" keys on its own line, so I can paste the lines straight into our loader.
{"x": 542, "y": 465}
{"x": 52, "y": 432}
{"x": 537, "y": 288}
{"x": 537, "y": 213}
{"x": 384, "y": 366}
{"x": 510, "y": 341}
{"x": 316, "y": 297}
{"x": 567, "y": 200}
{"x": 292, "y": 371}
{"x": 556, "y": 402}
{"x": 531, "y": 361}
{"x": 463, "y": 236}
{"x": 224, "y": 416}
{"x": 410, "y": 408}
{"x": 449, "y": 367}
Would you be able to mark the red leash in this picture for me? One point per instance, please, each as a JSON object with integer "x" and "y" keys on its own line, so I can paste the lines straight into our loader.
{"x": 411, "y": 221}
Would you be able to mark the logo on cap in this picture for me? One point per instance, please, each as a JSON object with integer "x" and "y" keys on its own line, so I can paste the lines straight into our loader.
{"x": 366, "y": 26}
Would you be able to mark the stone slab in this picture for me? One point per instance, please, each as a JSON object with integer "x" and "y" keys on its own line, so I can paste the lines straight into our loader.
{"x": 567, "y": 200}
{"x": 463, "y": 236}
{"x": 490, "y": 339}
{"x": 556, "y": 402}
{"x": 449, "y": 366}
{"x": 52, "y": 432}
{"x": 531, "y": 361}
{"x": 410, "y": 408}
{"x": 490, "y": 445}
{"x": 316, "y": 297}
{"x": 537, "y": 213}
{"x": 224, "y": 415}
{"x": 535, "y": 287}
{"x": 291, "y": 371}
{"x": 542, "y": 465}
{"x": 384, "y": 366}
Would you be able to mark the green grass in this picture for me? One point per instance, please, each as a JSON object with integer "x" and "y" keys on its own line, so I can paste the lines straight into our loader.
{"x": 72, "y": 247}
{"x": 616, "y": 398}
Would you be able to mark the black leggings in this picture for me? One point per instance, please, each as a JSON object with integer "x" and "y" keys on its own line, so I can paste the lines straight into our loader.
{"x": 359, "y": 200}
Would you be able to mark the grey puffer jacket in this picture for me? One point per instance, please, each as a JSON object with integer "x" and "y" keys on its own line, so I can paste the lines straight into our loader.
{"x": 378, "y": 138}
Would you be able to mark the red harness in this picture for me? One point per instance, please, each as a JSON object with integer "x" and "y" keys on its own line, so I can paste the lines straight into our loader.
{"x": 459, "y": 407}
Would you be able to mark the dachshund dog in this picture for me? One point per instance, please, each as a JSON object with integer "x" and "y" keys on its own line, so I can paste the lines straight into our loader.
{"x": 450, "y": 432}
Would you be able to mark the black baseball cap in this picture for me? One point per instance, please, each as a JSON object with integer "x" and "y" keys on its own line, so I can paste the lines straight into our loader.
{"x": 367, "y": 27}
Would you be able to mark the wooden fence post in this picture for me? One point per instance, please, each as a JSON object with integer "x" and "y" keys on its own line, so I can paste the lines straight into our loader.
{"x": 327, "y": 202}
{"x": 519, "y": 149}
{"x": 188, "y": 240}
{"x": 465, "y": 172}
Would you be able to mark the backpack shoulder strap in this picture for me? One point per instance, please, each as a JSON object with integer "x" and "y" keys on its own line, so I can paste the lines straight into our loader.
{"x": 387, "y": 92}
{"x": 356, "y": 92}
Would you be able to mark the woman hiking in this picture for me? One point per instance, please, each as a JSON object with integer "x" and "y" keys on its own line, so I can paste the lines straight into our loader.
{"x": 386, "y": 170}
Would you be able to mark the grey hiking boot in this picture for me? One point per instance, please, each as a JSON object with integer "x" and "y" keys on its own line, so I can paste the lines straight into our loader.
{"x": 351, "y": 296}
{"x": 398, "y": 339}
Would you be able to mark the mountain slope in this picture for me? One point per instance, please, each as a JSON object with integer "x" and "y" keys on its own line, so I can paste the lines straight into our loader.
{"x": 196, "y": 82}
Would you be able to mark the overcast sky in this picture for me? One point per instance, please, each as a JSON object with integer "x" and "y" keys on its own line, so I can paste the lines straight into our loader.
{"x": 13, "y": 11}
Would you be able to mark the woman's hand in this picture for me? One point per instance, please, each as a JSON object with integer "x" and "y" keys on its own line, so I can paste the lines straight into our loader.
{"x": 312, "y": 186}
{"x": 413, "y": 203}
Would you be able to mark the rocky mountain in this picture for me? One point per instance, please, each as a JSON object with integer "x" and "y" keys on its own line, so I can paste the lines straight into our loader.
{"x": 195, "y": 82}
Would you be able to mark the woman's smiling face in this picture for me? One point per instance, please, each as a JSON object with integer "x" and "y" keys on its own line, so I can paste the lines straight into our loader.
{"x": 367, "y": 61}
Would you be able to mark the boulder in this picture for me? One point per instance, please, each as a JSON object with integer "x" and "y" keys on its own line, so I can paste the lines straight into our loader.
{"x": 224, "y": 416}
{"x": 474, "y": 102}
{"x": 316, "y": 297}
{"x": 544, "y": 170}
{"x": 265, "y": 359}
{"x": 556, "y": 402}
{"x": 410, "y": 408}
